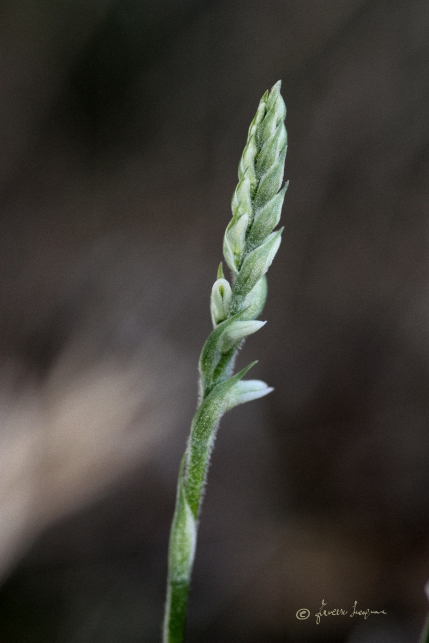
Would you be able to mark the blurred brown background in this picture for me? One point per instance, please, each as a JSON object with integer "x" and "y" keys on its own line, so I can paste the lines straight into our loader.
{"x": 121, "y": 126}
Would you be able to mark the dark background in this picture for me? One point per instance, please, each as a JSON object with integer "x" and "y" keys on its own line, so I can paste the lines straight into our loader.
{"x": 121, "y": 127}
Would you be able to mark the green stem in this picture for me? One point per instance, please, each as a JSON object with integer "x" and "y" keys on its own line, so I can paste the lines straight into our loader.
{"x": 183, "y": 536}
{"x": 175, "y": 612}
{"x": 180, "y": 560}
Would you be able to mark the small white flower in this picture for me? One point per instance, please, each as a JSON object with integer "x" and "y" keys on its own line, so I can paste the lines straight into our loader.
{"x": 220, "y": 301}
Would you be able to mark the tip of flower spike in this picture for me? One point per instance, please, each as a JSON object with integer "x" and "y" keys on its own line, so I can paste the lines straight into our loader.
{"x": 275, "y": 99}
{"x": 260, "y": 113}
{"x": 274, "y": 92}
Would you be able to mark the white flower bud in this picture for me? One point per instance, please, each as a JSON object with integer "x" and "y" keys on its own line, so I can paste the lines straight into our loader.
{"x": 220, "y": 301}
{"x": 235, "y": 235}
{"x": 237, "y": 331}
{"x": 247, "y": 390}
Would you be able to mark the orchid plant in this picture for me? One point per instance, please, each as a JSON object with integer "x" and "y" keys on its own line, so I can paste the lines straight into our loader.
{"x": 249, "y": 247}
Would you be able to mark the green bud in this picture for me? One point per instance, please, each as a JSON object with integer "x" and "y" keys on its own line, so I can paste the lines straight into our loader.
{"x": 260, "y": 113}
{"x": 235, "y": 237}
{"x": 266, "y": 128}
{"x": 246, "y": 167}
{"x": 275, "y": 101}
{"x": 220, "y": 301}
{"x": 266, "y": 219}
{"x": 212, "y": 354}
{"x": 253, "y": 304}
{"x": 256, "y": 264}
{"x": 241, "y": 201}
{"x": 229, "y": 256}
{"x": 271, "y": 149}
{"x": 237, "y": 331}
{"x": 247, "y": 390}
{"x": 271, "y": 181}
{"x": 276, "y": 112}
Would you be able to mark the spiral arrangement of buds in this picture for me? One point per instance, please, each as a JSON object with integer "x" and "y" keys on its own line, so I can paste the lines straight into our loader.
{"x": 249, "y": 247}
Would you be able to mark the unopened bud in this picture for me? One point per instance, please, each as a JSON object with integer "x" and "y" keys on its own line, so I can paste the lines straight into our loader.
{"x": 275, "y": 101}
{"x": 235, "y": 238}
{"x": 256, "y": 264}
{"x": 271, "y": 149}
{"x": 237, "y": 331}
{"x": 241, "y": 200}
{"x": 253, "y": 304}
{"x": 266, "y": 219}
{"x": 271, "y": 181}
{"x": 247, "y": 390}
{"x": 246, "y": 167}
{"x": 220, "y": 301}
{"x": 260, "y": 113}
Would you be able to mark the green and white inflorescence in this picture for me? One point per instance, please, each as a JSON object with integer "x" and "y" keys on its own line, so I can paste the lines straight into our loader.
{"x": 249, "y": 247}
